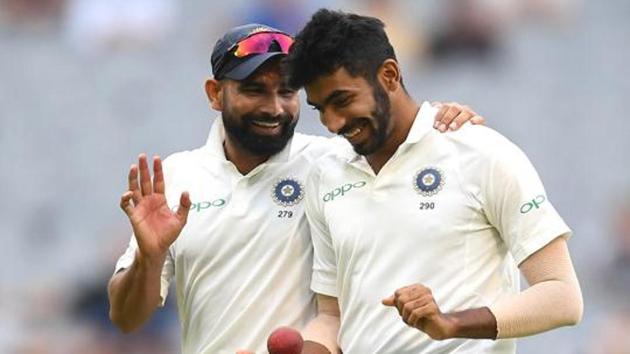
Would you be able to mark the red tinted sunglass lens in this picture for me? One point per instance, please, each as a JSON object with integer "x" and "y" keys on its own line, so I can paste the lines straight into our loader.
{"x": 259, "y": 43}
{"x": 252, "y": 45}
{"x": 284, "y": 41}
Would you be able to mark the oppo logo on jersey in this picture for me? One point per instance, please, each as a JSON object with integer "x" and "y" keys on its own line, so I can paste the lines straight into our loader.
{"x": 533, "y": 204}
{"x": 200, "y": 206}
{"x": 341, "y": 191}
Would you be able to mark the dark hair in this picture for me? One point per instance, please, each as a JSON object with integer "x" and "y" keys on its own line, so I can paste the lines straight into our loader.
{"x": 334, "y": 39}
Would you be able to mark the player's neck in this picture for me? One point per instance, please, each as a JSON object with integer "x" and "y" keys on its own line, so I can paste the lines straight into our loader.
{"x": 403, "y": 112}
{"x": 243, "y": 159}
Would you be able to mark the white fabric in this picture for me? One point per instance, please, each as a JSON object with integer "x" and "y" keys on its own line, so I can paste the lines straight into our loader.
{"x": 242, "y": 264}
{"x": 375, "y": 234}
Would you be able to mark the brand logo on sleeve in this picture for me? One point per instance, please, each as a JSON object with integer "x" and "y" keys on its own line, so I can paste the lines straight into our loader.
{"x": 428, "y": 181}
{"x": 533, "y": 204}
{"x": 287, "y": 192}
{"x": 342, "y": 190}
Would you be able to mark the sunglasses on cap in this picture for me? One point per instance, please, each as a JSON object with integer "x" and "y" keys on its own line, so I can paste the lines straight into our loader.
{"x": 241, "y": 58}
{"x": 259, "y": 43}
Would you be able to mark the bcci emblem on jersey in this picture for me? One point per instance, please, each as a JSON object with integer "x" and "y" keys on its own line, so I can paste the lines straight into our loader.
{"x": 287, "y": 192}
{"x": 428, "y": 181}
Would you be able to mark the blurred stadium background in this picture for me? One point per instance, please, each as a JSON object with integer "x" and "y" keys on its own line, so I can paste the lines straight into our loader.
{"x": 86, "y": 85}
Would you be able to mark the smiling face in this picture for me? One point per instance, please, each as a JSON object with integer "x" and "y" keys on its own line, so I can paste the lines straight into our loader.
{"x": 260, "y": 112}
{"x": 353, "y": 107}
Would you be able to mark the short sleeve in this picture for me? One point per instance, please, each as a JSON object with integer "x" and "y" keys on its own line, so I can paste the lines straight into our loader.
{"x": 516, "y": 204}
{"x": 126, "y": 260}
{"x": 324, "y": 280}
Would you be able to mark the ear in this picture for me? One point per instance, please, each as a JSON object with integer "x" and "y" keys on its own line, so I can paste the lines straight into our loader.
{"x": 215, "y": 92}
{"x": 389, "y": 75}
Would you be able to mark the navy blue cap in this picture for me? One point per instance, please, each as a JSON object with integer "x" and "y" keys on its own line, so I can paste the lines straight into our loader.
{"x": 226, "y": 65}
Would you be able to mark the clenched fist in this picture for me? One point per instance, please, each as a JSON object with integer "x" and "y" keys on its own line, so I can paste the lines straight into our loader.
{"x": 418, "y": 309}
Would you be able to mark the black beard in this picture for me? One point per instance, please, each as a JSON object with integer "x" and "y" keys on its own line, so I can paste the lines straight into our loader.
{"x": 238, "y": 128}
{"x": 381, "y": 115}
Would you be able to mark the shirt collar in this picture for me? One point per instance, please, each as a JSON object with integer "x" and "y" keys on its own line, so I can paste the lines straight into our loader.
{"x": 422, "y": 123}
{"x": 214, "y": 144}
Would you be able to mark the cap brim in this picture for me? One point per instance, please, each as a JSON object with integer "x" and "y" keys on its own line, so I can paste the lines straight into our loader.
{"x": 249, "y": 65}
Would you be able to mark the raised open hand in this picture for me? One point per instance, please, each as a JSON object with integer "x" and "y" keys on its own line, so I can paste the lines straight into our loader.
{"x": 154, "y": 224}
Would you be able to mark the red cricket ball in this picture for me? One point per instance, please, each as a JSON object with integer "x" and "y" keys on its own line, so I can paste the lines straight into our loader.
{"x": 285, "y": 340}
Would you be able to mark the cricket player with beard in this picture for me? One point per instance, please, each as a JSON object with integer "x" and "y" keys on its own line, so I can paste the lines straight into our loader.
{"x": 226, "y": 221}
{"x": 419, "y": 237}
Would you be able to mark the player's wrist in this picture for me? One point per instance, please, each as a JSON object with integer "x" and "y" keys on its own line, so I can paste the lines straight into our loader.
{"x": 150, "y": 261}
{"x": 477, "y": 323}
{"x": 452, "y": 326}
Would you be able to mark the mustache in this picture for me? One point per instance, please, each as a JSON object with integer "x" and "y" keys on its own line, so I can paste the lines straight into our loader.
{"x": 283, "y": 119}
{"x": 354, "y": 124}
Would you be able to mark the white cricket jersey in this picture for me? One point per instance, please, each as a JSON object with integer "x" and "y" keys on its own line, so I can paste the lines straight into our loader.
{"x": 243, "y": 262}
{"x": 455, "y": 212}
